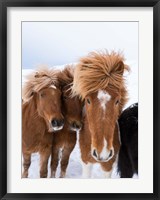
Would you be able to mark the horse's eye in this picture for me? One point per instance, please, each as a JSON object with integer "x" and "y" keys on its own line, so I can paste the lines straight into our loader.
{"x": 42, "y": 94}
{"x": 117, "y": 102}
{"x": 88, "y": 101}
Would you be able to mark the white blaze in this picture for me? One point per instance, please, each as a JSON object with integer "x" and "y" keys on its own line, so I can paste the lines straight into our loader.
{"x": 103, "y": 97}
{"x": 104, "y": 153}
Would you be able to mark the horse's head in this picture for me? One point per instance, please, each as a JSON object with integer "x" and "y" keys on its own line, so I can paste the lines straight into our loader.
{"x": 99, "y": 81}
{"x": 49, "y": 107}
{"x": 102, "y": 111}
{"x": 42, "y": 88}
{"x": 72, "y": 107}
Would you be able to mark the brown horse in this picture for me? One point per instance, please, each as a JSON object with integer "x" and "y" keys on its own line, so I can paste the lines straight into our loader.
{"x": 41, "y": 115}
{"x": 99, "y": 81}
{"x": 64, "y": 140}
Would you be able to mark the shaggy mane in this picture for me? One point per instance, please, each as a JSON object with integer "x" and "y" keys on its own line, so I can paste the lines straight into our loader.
{"x": 66, "y": 76}
{"x": 100, "y": 70}
{"x": 37, "y": 80}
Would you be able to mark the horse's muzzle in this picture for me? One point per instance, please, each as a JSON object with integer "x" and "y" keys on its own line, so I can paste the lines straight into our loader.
{"x": 100, "y": 158}
{"x": 57, "y": 124}
{"x": 76, "y": 126}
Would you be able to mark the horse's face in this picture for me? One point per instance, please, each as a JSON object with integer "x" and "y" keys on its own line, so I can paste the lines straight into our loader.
{"x": 72, "y": 107}
{"x": 102, "y": 109}
{"x": 49, "y": 107}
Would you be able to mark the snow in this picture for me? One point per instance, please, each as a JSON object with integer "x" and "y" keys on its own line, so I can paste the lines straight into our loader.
{"x": 74, "y": 169}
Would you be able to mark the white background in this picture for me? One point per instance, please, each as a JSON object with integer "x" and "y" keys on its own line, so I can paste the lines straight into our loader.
{"x": 145, "y": 18}
{"x": 59, "y": 43}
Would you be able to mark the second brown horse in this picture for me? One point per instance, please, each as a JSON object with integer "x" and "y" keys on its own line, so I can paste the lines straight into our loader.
{"x": 64, "y": 140}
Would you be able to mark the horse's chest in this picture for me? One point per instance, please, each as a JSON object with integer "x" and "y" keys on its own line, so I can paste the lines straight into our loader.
{"x": 62, "y": 137}
{"x": 38, "y": 141}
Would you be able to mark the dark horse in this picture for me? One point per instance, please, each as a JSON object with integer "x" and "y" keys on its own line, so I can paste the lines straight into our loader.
{"x": 128, "y": 154}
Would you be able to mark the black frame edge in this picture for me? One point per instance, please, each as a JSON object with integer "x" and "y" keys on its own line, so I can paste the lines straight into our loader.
{"x": 3, "y": 100}
{"x": 79, "y": 196}
{"x": 80, "y": 3}
{"x": 3, "y": 94}
{"x": 156, "y": 98}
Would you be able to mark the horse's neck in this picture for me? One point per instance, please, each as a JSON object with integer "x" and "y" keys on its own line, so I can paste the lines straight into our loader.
{"x": 86, "y": 126}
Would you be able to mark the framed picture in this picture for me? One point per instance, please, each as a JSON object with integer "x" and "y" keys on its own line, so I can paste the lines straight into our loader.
{"x": 47, "y": 150}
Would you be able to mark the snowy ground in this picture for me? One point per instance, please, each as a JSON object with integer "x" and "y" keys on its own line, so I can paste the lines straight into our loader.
{"x": 74, "y": 169}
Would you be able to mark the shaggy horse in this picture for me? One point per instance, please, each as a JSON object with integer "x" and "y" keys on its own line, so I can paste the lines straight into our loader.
{"x": 64, "y": 140}
{"x": 41, "y": 115}
{"x": 128, "y": 154}
{"x": 99, "y": 81}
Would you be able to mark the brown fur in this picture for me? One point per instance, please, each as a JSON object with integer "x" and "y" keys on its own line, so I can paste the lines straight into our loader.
{"x": 100, "y": 71}
{"x": 64, "y": 141}
{"x": 42, "y": 104}
{"x": 41, "y": 78}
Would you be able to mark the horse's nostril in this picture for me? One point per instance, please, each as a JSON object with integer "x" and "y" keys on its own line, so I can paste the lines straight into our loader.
{"x": 60, "y": 122}
{"x": 95, "y": 153}
{"x": 75, "y": 125}
{"x": 111, "y": 153}
{"x": 56, "y": 122}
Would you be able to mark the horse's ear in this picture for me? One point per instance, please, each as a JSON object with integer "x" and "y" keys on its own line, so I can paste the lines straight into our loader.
{"x": 36, "y": 75}
{"x": 119, "y": 68}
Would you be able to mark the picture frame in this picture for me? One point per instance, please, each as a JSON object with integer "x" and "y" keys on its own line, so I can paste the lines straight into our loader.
{"x": 4, "y": 4}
